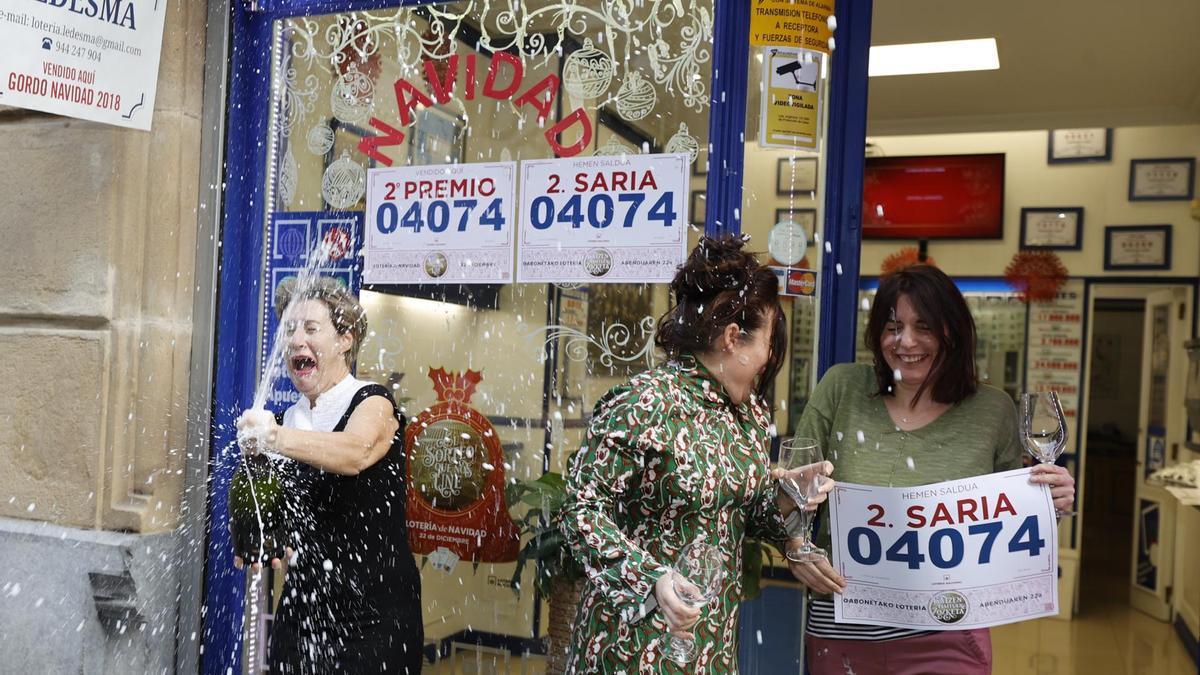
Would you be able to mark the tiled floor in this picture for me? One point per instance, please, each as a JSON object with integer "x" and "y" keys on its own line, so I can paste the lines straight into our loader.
{"x": 1107, "y": 637}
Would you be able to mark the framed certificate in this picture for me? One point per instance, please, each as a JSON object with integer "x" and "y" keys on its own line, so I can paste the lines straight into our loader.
{"x": 1162, "y": 179}
{"x": 1079, "y": 145}
{"x": 1052, "y": 227}
{"x": 1137, "y": 247}
{"x": 697, "y": 208}
{"x": 796, "y": 176}
{"x": 807, "y": 218}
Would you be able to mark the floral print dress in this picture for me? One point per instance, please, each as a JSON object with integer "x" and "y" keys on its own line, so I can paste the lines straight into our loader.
{"x": 668, "y": 460}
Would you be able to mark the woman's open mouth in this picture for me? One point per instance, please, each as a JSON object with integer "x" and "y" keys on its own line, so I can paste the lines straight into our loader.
{"x": 910, "y": 359}
{"x": 303, "y": 366}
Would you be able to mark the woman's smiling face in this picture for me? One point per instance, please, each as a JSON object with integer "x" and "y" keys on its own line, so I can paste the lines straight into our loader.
{"x": 909, "y": 347}
{"x": 315, "y": 350}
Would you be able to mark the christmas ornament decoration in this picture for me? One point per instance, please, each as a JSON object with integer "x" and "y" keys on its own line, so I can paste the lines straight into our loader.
{"x": 682, "y": 141}
{"x": 587, "y": 72}
{"x": 319, "y": 139}
{"x": 289, "y": 175}
{"x": 344, "y": 182}
{"x": 636, "y": 97}
{"x": 352, "y": 96}
{"x": 612, "y": 148}
{"x": 905, "y": 257}
{"x": 1036, "y": 275}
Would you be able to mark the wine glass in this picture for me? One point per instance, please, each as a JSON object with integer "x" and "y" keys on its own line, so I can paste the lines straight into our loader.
{"x": 1044, "y": 429}
{"x": 794, "y": 453}
{"x": 696, "y": 580}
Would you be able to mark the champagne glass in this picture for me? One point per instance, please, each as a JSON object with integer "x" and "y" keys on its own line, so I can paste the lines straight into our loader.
{"x": 696, "y": 580}
{"x": 794, "y": 453}
{"x": 1044, "y": 429}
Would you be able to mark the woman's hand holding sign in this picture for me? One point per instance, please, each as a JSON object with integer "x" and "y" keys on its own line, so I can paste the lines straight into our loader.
{"x": 818, "y": 576}
{"x": 1060, "y": 482}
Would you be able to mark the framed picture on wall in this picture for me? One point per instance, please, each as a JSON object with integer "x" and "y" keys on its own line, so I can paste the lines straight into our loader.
{"x": 439, "y": 137}
{"x": 697, "y": 208}
{"x": 1137, "y": 247}
{"x": 1079, "y": 145}
{"x": 796, "y": 176}
{"x": 1052, "y": 227}
{"x": 806, "y": 218}
{"x": 1162, "y": 179}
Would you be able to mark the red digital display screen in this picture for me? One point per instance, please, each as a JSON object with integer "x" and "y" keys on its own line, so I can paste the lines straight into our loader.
{"x": 934, "y": 197}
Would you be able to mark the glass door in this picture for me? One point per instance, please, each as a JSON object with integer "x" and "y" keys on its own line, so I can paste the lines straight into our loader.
{"x": 1161, "y": 430}
{"x": 325, "y": 91}
{"x": 464, "y": 83}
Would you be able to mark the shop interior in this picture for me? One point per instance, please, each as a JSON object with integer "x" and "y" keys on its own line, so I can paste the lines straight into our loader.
{"x": 548, "y": 352}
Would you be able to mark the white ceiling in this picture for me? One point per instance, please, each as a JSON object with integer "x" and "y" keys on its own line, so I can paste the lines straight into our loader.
{"x": 1063, "y": 64}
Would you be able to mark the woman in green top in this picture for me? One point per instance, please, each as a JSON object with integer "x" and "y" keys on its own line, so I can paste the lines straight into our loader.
{"x": 677, "y": 455}
{"x": 918, "y": 415}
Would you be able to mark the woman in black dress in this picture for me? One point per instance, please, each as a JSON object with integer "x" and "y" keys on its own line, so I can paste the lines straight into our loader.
{"x": 351, "y": 601}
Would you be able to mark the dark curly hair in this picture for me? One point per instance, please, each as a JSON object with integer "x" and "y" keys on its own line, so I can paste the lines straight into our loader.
{"x": 718, "y": 285}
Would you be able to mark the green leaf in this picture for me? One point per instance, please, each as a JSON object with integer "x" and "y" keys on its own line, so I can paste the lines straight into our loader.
{"x": 535, "y": 500}
{"x": 554, "y": 481}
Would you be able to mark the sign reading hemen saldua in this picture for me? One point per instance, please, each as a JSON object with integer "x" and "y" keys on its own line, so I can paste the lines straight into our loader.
{"x": 960, "y": 554}
{"x": 440, "y": 224}
{"x": 620, "y": 219}
{"x": 92, "y": 59}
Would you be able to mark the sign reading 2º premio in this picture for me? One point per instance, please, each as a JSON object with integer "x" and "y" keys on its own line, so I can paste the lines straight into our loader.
{"x": 603, "y": 219}
{"x": 440, "y": 224}
{"x": 961, "y": 554}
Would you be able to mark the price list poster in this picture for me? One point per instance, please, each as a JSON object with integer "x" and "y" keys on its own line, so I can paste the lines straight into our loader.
{"x": 1056, "y": 351}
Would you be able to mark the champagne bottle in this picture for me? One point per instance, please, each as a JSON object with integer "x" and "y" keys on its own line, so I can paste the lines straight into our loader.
{"x": 257, "y": 510}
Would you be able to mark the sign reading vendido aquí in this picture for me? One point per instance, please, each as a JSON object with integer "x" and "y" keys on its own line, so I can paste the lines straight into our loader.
{"x": 92, "y": 59}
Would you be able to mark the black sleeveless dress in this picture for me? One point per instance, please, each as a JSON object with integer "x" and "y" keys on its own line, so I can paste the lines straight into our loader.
{"x": 351, "y": 603}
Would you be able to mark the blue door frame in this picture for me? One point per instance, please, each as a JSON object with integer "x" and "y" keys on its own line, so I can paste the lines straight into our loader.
{"x": 242, "y": 234}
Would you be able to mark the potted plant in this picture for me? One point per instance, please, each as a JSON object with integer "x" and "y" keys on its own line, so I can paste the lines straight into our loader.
{"x": 557, "y": 576}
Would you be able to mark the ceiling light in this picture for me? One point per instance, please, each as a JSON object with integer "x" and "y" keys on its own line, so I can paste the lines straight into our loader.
{"x": 951, "y": 56}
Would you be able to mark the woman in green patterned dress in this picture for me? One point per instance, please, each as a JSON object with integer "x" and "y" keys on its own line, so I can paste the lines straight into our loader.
{"x": 679, "y": 454}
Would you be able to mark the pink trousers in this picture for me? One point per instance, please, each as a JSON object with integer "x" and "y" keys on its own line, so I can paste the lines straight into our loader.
{"x": 962, "y": 652}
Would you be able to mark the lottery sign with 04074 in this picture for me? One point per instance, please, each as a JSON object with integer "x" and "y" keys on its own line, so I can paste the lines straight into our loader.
{"x": 961, "y": 554}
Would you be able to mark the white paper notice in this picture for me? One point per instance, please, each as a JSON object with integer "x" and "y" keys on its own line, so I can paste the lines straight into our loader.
{"x": 444, "y": 224}
{"x": 603, "y": 219}
{"x": 961, "y": 554}
{"x": 1056, "y": 351}
{"x": 92, "y": 59}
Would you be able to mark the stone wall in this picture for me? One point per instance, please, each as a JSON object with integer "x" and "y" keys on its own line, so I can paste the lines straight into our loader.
{"x": 95, "y": 301}
{"x": 98, "y": 230}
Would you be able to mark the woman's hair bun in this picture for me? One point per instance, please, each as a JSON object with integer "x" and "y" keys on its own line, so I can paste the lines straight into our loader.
{"x": 721, "y": 284}
{"x": 715, "y": 265}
